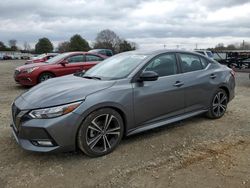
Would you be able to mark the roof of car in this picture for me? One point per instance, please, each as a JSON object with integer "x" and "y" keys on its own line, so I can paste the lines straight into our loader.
{"x": 155, "y": 52}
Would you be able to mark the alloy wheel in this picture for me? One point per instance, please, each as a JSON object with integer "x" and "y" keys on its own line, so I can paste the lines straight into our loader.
{"x": 219, "y": 104}
{"x": 103, "y": 133}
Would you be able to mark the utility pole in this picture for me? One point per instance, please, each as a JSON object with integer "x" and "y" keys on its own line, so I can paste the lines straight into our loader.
{"x": 243, "y": 44}
{"x": 196, "y": 46}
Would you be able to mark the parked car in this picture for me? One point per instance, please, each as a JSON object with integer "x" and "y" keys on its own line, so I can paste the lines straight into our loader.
{"x": 105, "y": 52}
{"x": 63, "y": 64}
{"x": 7, "y": 57}
{"x": 41, "y": 58}
{"x": 206, "y": 53}
{"x": 126, "y": 94}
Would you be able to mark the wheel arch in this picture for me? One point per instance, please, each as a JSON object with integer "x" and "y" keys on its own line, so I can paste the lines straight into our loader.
{"x": 113, "y": 106}
{"x": 226, "y": 90}
{"x": 46, "y": 71}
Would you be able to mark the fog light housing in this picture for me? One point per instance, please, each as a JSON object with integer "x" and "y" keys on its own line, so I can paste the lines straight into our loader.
{"x": 45, "y": 143}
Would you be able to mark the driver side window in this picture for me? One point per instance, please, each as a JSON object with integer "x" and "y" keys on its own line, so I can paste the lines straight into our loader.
{"x": 76, "y": 59}
{"x": 163, "y": 65}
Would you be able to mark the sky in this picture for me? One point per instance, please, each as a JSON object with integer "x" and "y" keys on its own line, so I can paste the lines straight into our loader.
{"x": 150, "y": 23}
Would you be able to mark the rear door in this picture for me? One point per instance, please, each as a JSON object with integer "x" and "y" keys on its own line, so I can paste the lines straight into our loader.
{"x": 91, "y": 60}
{"x": 197, "y": 81}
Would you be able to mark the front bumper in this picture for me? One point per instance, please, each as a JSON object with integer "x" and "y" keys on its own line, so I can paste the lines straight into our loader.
{"x": 60, "y": 131}
{"x": 25, "y": 79}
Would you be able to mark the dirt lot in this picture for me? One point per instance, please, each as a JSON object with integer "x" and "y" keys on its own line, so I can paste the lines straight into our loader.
{"x": 193, "y": 153}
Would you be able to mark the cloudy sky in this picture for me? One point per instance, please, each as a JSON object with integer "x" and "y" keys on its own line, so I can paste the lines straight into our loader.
{"x": 150, "y": 23}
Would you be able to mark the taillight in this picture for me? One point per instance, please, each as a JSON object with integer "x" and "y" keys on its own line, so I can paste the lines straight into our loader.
{"x": 232, "y": 73}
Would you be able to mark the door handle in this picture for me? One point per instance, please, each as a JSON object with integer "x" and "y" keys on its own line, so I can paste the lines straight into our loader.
{"x": 213, "y": 76}
{"x": 178, "y": 84}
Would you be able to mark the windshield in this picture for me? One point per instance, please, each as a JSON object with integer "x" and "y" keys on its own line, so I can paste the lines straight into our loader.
{"x": 57, "y": 58}
{"x": 116, "y": 67}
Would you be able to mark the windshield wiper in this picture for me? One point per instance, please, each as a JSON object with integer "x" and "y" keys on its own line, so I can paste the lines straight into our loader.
{"x": 92, "y": 77}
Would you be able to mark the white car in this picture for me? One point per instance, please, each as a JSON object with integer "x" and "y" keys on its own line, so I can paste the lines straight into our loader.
{"x": 206, "y": 53}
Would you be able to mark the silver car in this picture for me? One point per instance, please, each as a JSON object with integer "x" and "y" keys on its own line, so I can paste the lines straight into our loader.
{"x": 126, "y": 94}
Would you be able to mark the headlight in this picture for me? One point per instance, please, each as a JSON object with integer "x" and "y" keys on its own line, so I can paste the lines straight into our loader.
{"x": 54, "y": 111}
{"x": 29, "y": 70}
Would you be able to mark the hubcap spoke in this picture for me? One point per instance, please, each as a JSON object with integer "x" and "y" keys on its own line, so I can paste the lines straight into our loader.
{"x": 94, "y": 141}
{"x": 93, "y": 128}
{"x": 108, "y": 121}
{"x": 107, "y": 141}
{"x": 95, "y": 124}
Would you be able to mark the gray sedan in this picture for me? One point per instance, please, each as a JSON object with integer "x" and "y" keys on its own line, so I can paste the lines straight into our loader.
{"x": 126, "y": 94}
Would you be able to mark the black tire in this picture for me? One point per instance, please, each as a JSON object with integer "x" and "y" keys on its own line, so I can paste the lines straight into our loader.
{"x": 45, "y": 76}
{"x": 218, "y": 105}
{"x": 101, "y": 132}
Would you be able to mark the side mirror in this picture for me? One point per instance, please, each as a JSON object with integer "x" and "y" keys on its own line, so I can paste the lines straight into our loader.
{"x": 64, "y": 62}
{"x": 148, "y": 76}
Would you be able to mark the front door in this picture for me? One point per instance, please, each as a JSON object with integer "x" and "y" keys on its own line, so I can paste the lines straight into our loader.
{"x": 160, "y": 99}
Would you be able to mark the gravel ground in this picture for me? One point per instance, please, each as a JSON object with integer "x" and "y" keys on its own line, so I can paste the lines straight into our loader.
{"x": 197, "y": 152}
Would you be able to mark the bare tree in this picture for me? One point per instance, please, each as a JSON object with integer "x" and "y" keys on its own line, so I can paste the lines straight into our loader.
{"x": 12, "y": 42}
{"x": 108, "y": 39}
{"x": 26, "y": 46}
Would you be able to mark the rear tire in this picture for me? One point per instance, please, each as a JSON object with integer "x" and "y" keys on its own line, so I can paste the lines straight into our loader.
{"x": 218, "y": 105}
{"x": 101, "y": 132}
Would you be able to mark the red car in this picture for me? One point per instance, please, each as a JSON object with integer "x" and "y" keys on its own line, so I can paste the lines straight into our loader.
{"x": 41, "y": 58}
{"x": 63, "y": 64}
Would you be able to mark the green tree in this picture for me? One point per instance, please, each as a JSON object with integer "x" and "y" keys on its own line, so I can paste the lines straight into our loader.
{"x": 126, "y": 46}
{"x": 2, "y": 46}
{"x": 77, "y": 43}
{"x": 43, "y": 46}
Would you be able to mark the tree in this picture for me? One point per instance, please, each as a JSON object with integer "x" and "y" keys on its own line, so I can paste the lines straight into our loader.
{"x": 108, "y": 39}
{"x": 231, "y": 47}
{"x": 126, "y": 46}
{"x": 26, "y": 46}
{"x": 12, "y": 44}
{"x": 63, "y": 47}
{"x": 43, "y": 46}
{"x": 2, "y": 46}
{"x": 77, "y": 43}
{"x": 220, "y": 46}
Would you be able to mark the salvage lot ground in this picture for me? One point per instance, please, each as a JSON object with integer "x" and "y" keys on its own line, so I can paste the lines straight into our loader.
{"x": 193, "y": 153}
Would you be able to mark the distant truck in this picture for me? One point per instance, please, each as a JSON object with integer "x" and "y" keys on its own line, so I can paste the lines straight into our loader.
{"x": 239, "y": 59}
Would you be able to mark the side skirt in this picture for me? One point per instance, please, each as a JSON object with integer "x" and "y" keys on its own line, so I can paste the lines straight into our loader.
{"x": 146, "y": 127}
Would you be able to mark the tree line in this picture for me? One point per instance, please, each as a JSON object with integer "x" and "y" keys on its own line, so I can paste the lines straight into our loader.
{"x": 240, "y": 46}
{"x": 106, "y": 39}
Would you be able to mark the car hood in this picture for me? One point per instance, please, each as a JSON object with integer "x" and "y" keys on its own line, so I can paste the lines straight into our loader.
{"x": 31, "y": 66}
{"x": 62, "y": 90}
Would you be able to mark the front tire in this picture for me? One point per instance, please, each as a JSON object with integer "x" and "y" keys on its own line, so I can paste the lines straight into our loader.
{"x": 218, "y": 105}
{"x": 45, "y": 76}
{"x": 101, "y": 132}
